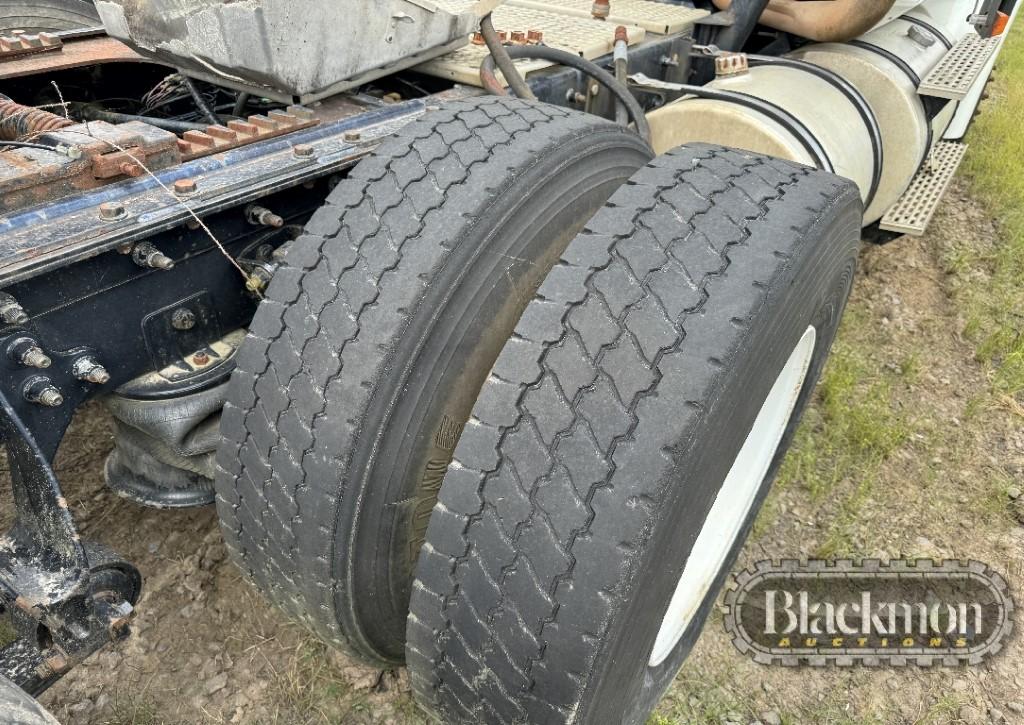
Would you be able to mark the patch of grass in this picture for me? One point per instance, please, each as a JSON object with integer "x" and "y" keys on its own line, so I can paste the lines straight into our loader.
{"x": 944, "y": 710}
{"x": 846, "y": 435}
{"x": 311, "y": 690}
{"x": 315, "y": 688}
{"x": 7, "y": 633}
{"x": 910, "y": 368}
{"x": 995, "y": 310}
{"x": 713, "y": 696}
{"x": 134, "y": 710}
{"x": 694, "y": 699}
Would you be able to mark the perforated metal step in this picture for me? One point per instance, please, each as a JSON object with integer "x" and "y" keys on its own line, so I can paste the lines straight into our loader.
{"x": 911, "y": 214}
{"x": 653, "y": 16}
{"x": 584, "y": 36}
{"x": 955, "y": 74}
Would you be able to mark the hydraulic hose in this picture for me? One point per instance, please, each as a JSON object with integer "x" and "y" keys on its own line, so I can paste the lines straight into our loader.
{"x": 241, "y": 103}
{"x": 168, "y": 124}
{"x": 554, "y": 55}
{"x": 501, "y": 55}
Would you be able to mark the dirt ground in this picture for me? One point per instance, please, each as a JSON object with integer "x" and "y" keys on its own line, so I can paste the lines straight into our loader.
{"x": 930, "y": 471}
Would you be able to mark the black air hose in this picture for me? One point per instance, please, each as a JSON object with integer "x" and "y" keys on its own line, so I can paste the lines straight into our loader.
{"x": 599, "y": 74}
{"x": 201, "y": 104}
{"x": 500, "y": 53}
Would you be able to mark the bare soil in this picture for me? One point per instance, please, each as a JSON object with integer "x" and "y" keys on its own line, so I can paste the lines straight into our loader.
{"x": 207, "y": 648}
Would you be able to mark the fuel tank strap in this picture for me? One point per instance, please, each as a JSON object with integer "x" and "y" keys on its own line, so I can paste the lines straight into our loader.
{"x": 891, "y": 57}
{"x": 852, "y": 94}
{"x": 778, "y": 114}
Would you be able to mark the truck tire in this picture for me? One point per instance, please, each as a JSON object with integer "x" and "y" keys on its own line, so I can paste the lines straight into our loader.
{"x": 646, "y": 397}
{"x": 363, "y": 362}
{"x": 17, "y": 707}
{"x": 47, "y": 15}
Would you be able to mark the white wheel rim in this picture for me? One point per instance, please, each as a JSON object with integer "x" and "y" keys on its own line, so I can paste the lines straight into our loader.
{"x": 732, "y": 504}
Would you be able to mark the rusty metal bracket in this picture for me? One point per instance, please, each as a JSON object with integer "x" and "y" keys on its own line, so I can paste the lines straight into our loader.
{"x": 64, "y": 599}
{"x": 19, "y": 44}
{"x": 195, "y": 144}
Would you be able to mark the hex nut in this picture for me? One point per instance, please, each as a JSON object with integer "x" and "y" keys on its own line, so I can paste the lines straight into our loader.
{"x": 111, "y": 211}
{"x": 183, "y": 187}
{"x": 183, "y": 319}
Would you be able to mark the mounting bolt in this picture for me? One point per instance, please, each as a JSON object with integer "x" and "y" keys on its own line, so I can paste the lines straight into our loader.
{"x": 26, "y": 351}
{"x": 518, "y": 37}
{"x": 185, "y": 187}
{"x": 34, "y": 357}
{"x": 305, "y": 151}
{"x": 11, "y": 313}
{"x": 111, "y": 211}
{"x": 87, "y": 368}
{"x": 535, "y": 37}
{"x": 261, "y": 216}
{"x": 201, "y": 359}
{"x": 183, "y": 319}
{"x": 601, "y": 9}
{"x": 42, "y": 391}
{"x": 352, "y": 136}
{"x": 146, "y": 255}
{"x": 574, "y": 96}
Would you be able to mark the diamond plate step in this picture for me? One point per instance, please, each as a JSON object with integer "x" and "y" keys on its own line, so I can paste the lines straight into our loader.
{"x": 955, "y": 74}
{"x": 911, "y": 214}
